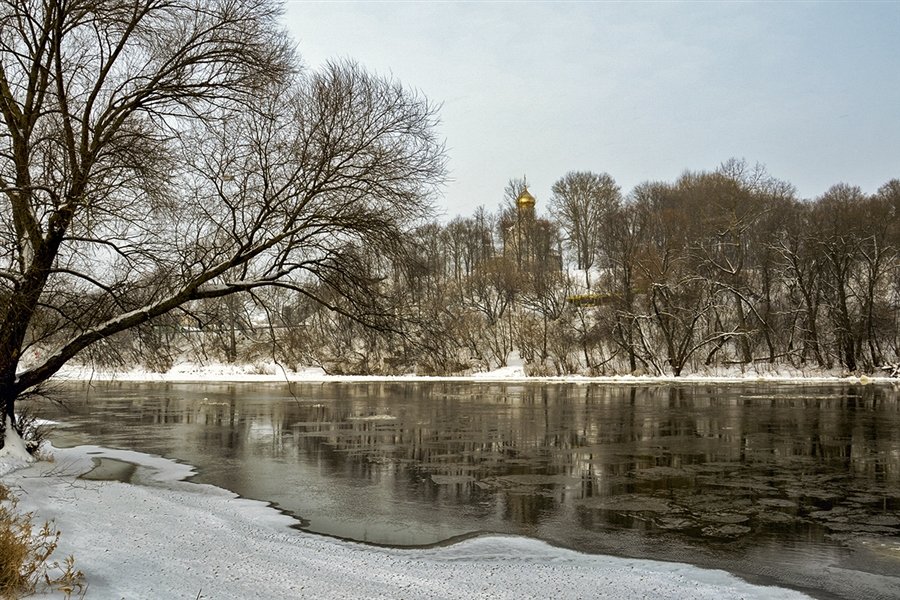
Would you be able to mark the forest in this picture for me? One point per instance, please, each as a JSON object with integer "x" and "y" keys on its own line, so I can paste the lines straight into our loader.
{"x": 717, "y": 272}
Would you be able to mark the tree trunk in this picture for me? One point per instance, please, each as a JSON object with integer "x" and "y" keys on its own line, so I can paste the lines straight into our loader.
{"x": 744, "y": 341}
{"x": 8, "y": 396}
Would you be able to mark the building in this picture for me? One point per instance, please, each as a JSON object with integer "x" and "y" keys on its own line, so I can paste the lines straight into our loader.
{"x": 531, "y": 243}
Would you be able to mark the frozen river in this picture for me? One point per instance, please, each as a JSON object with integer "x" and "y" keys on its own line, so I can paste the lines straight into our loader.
{"x": 793, "y": 485}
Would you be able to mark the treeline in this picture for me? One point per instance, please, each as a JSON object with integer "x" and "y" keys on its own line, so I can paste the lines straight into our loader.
{"x": 717, "y": 270}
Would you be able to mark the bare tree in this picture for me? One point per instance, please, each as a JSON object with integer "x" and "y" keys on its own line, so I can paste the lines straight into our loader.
{"x": 514, "y": 187}
{"x": 622, "y": 241}
{"x": 878, "y": 256}
{"x": 158, "y": 152}
{"x": 839, "y": 245}
{"x": 581, "y": 202}
{"x": 469, "y": 242}
{"x": 886, "y": 317}
{"x": 491, "y": 294}
{"x": 802, "y": 270}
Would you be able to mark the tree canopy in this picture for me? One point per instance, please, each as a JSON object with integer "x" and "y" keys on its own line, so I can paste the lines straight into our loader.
{"x": 159, "y": 152}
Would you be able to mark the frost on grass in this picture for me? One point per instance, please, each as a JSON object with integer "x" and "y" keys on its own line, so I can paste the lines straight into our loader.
{"x": 26, "y": 555}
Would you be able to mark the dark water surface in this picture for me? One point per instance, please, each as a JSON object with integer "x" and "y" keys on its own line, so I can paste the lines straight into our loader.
{"x": 794, "y": 485}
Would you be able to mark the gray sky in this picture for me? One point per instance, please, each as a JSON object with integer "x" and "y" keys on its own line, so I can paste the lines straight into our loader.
{"x": 642, "y": 91}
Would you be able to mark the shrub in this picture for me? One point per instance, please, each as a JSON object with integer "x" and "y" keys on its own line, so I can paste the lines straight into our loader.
{"x": 25, "y": 552}
{"x": 31, "y": 429}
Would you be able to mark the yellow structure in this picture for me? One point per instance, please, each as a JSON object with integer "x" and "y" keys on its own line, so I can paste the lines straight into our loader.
{"x": 525, "y": 205}
{"x": 529, "y": 241}
{"x": 525, "y": 199}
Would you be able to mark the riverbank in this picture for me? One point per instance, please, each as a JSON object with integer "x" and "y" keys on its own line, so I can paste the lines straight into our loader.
{"x": 189, "y": 372}
{"x": 164, "y": 537}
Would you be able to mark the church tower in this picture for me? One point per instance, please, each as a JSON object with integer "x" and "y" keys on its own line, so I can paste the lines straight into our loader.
{"x": 522, "y": 230}
{"x": 531, "y": 242}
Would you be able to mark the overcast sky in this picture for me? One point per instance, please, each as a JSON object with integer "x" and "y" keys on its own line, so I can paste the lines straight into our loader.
{"x": 642, "y": 91}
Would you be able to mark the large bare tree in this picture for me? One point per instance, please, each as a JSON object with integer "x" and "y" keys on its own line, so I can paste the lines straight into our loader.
{"x": 581, "y": 202}
{"x": 158, "y": 152}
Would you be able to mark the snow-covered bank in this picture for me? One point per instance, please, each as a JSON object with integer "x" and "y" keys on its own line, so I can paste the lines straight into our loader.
{"x": 13, "y": 453}
{"x": 273, "y": 373}
{"x": 168, "y": 538}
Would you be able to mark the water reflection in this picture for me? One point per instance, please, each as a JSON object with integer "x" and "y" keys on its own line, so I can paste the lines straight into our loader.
{"x": 717, "y": 473}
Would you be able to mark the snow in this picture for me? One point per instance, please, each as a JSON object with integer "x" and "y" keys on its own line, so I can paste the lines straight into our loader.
{"x": 163, "y": 537}
{"x": 514, "y": 369}
{"x": 13, "y": 453}
{"x": 189, "y": 372}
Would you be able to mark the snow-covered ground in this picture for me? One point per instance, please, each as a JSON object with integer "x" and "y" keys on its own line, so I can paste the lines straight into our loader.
{"x": 188, "y": 372}
{"x": 164, "y": 537}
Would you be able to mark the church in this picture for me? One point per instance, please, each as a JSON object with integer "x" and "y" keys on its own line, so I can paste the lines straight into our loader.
{"x": 533, "y": 244}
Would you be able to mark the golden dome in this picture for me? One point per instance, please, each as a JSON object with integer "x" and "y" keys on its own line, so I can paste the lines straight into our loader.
{"x": 525, "y": 198}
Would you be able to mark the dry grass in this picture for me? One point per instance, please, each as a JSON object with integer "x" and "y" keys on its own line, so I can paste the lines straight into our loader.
{"x": 25, "y": 552}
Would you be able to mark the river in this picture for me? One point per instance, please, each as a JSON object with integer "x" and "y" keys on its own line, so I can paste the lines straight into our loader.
{"x": 796, "y": 485}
